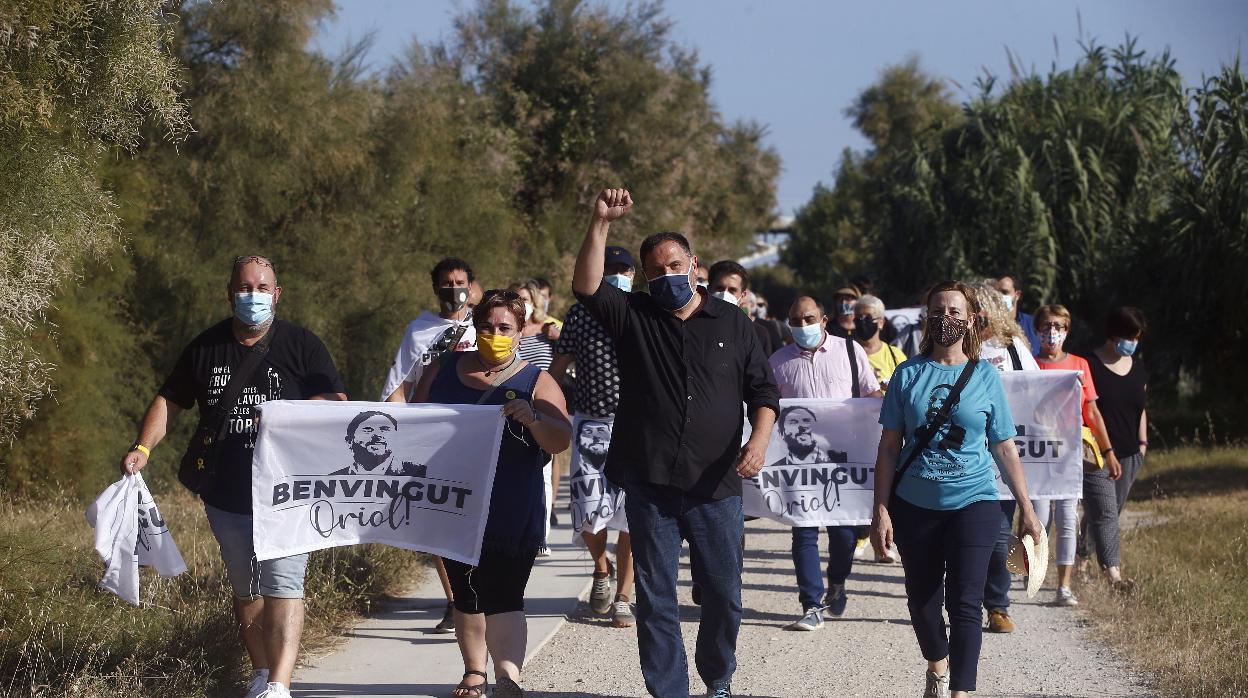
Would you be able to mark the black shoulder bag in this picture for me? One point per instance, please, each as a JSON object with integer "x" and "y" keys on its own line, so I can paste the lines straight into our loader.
{"x": 198, "y": 467}
{"x": 927, "y": 432}
{"x": 853, "y": 368}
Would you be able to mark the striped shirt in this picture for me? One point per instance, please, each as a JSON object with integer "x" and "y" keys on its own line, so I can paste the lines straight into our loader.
{"x": 537, "y": 350}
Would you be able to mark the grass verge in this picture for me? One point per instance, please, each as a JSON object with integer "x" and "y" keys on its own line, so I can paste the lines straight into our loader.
{"x": 60, "y": 636}
{"x": 1187, "y": 622}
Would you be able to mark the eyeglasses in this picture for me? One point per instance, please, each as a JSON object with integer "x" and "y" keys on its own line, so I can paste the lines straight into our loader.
{"x": 262, "y": 261}
{"x": 1053, "y": 326}
{"x": 504, "y": 293}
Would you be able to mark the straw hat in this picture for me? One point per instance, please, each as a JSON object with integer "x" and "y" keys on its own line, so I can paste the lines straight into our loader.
{"x": 1031, "y": 558}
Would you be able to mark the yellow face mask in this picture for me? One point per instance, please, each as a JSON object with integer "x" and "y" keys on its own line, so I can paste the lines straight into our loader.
{"x": 494, "y": 348}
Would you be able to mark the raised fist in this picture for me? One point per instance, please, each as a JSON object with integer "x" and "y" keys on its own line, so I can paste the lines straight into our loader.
{"x": 612, "y": 204}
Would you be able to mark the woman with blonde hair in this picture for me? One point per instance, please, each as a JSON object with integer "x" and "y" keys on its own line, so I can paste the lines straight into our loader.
{"x": 946, "y": 421}
{"x": 537, "y": 346}
{"x": 1003, "y": 345}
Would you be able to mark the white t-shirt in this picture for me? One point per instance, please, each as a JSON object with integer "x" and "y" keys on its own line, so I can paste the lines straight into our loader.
{"x": 415, "y": 350}
{"x": 996, "y": 353}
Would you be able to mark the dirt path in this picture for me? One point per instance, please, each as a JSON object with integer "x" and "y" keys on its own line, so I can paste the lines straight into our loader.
{"x": 871, "y": 652}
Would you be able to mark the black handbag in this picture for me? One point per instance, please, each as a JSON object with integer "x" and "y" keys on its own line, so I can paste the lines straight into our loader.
{"x": 197, "y": 470}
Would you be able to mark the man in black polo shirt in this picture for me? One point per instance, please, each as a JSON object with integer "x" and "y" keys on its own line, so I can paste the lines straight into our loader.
{"x": 687, "y": 363}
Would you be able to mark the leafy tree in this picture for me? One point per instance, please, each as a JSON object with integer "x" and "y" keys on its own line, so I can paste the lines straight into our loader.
{"x": 76, "y": 77}
{"x": 836, "y": 234}
{"x": 592, "y": 98}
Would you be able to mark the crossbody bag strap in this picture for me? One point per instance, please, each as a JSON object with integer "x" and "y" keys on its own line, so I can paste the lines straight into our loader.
{"x": 853, "y": 368}
{"x": 942, "y": 415}
{"x": 1015, "y": 360}
{"x": 238, "y": 381}
{"x": 499, "y": 380}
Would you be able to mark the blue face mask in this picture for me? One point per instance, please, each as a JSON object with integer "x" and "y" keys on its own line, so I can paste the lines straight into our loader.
{"x": 672, "y": 291}
{"x": 253, "y": 309}
{"x": 808, "y": 336}
{"x": 620, "y": 281}
{"x": 1126, "y": 347}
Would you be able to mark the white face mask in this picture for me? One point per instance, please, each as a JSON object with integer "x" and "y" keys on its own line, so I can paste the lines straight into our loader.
{"x": 726, "y": 297}
{"x": 528, "y": 311}
{"x": 1009, "y": 301}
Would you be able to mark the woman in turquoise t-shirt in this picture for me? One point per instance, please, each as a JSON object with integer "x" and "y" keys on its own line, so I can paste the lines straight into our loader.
{"x": 944, "y": 511}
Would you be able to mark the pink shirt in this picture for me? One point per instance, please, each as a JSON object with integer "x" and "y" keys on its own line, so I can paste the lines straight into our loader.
{"x": 824, "y": 372}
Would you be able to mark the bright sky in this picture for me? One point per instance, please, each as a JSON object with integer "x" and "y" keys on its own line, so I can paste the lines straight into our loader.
{"x": 795, "y": 65}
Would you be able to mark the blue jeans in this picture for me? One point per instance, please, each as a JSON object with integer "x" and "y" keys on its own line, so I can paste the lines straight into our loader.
{"x": 659, "y": 518}
{"x": 841, "y": 542}
{"x": 945, "y": 555}
{"x": 997, "y": 587}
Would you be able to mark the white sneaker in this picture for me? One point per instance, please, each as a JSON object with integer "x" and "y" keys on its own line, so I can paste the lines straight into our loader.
{"x": 937, "y": 685}
{"x": 1065, "y": 597}
{"x": 543, "y": 551}
{"x": 275, "y": 690}
{"x": 259, "y": 681}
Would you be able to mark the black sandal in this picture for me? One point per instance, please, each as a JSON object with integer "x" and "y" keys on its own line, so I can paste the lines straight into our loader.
{"x": 476, "y": 690}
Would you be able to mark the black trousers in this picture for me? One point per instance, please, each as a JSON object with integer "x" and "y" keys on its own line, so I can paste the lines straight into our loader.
{"x": 945, "y": 556}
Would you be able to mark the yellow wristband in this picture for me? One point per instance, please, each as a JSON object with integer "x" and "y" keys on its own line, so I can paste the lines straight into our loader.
{"x": 140, "y": 447}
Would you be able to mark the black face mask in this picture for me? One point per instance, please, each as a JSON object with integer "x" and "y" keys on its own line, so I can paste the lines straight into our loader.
{"x": 865, "y": 328}
{"x": 452, "y": 299}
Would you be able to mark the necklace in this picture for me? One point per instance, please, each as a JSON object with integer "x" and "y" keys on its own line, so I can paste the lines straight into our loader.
{"x": 491, "y": 371}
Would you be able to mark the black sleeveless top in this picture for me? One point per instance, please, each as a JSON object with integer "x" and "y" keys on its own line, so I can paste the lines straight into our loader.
{"x": 515, "y": 525}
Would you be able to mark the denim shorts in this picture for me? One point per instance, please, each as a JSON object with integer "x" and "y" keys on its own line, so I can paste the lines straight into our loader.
{"x": 281, "y": 578}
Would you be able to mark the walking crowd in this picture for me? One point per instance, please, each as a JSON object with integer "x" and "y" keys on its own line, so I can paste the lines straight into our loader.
{"x": 654, "y": 389}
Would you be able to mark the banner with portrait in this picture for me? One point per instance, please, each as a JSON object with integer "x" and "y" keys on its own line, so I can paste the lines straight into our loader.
{"x": 327, "y": 474}
{"x": 596, "y": 504}
{"x": 820, "y": 464}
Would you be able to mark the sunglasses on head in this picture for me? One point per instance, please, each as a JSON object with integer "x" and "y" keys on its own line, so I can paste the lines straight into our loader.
{"x": 262, "y": 261}
{"x": 504, "y": 293}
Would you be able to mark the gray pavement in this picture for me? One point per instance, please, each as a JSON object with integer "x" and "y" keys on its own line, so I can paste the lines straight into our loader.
{"x": 870, "y": 652}
{"x": 396, "y": 653}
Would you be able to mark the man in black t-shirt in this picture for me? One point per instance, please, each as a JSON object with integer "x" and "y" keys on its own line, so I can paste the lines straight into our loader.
{"x": 268, "y": 595}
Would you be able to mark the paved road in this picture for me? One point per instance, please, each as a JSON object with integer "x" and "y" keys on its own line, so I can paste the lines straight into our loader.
{"x": 395, "y": 652}
{"x": 871, "y": 652}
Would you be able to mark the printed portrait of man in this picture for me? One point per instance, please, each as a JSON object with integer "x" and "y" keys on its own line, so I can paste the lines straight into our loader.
{"x": 797, "y": 426}
{"x": 593, "y": 439}
{"x": 368, "y": 438}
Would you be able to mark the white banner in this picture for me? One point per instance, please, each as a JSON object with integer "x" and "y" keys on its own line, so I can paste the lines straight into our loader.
{"x": 820, "y": 465}
{"x": 419, "y": 477}
{"x": 596, "y": 503}
{"x": 126, "y": 538}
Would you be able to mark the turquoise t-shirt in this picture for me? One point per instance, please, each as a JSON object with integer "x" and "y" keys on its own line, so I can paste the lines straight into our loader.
{"x": 956, "y": 469}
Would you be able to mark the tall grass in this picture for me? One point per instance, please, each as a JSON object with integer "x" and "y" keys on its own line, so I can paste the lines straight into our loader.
{"x": 1187, "y": 622}
{"x": 59, "y": 635}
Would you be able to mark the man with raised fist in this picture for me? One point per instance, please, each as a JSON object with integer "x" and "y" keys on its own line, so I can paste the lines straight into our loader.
{"x": 688, "y": 363}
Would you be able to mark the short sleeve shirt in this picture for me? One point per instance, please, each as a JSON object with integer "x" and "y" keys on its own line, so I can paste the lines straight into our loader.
{"x": 1074, "y": 363}
{"x": 597, "y": 370}
{"x": 824, "y": 372}
{"x": 296, "y": 367}
{"x": 956, "y": 468}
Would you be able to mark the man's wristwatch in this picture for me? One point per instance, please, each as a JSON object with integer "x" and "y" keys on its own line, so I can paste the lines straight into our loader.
{"x": 142, "y": 449}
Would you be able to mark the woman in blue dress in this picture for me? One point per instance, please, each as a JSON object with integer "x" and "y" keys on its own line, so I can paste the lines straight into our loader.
{"x": 489, "y": 598}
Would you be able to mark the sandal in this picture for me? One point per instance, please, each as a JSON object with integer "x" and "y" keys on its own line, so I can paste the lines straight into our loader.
{"x": 474, "y": 690}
